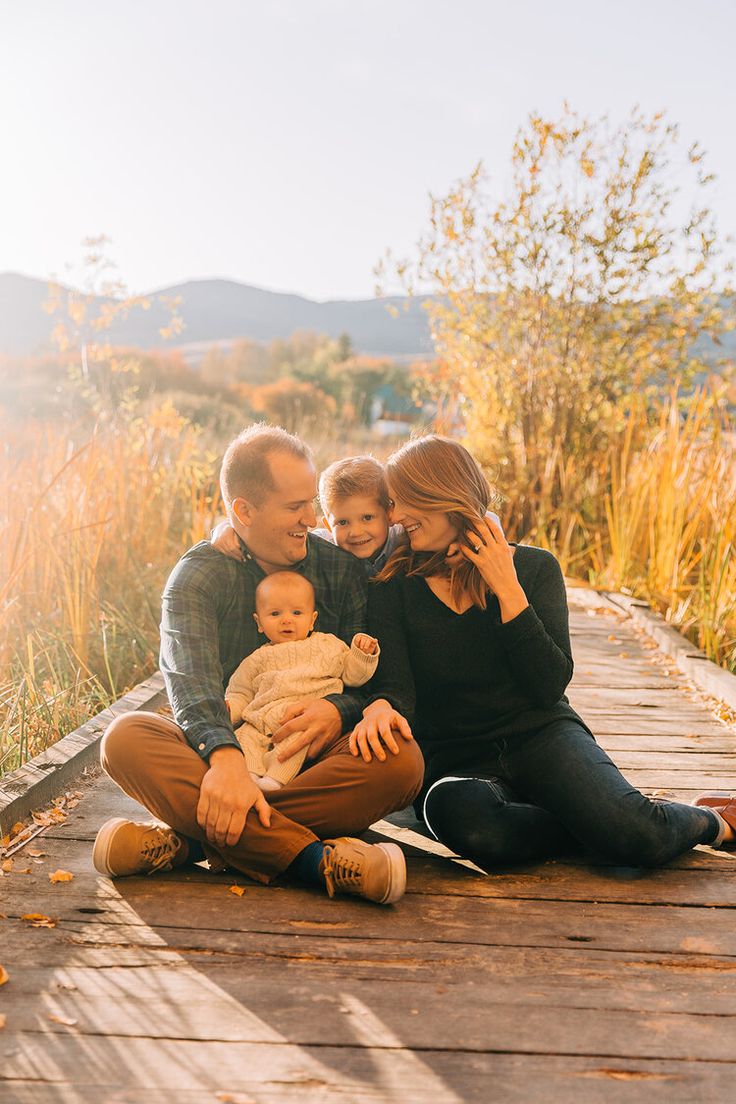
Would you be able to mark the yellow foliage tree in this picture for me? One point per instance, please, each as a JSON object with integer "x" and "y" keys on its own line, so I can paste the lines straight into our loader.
{"x": 592, "y": 279}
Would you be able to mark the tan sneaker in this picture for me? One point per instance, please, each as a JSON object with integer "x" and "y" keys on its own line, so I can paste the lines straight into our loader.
{"x": 376, "y": 871}
{"x": 123, "y": 847}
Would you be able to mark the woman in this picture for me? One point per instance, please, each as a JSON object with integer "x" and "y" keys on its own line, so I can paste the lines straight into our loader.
{"x": 475, "y": 653}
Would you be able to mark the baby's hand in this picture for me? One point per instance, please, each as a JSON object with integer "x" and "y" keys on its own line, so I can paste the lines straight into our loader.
{"x": 365, "y": 643}
{"x": 225, "y": 540}
{"x": 231, "y": 711}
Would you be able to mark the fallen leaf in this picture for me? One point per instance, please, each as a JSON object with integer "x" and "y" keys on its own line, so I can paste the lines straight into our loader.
{"x": 38, "y": 920}
{"x": 73, "y": 803}
{"x": 66, "y": 1021}
{"x": 25, "y": 870}
{"x": 623, "y": 655}
{"x": 52, "y": 816}
{"x": 237, "y": 890}
{"x": 17, "y": 829}
{"x": 2, "y": 1021}
{"x": 7, "y": 866}
{"x": 3, "y": 975}
{"x": 60, "y": 876}
{"x": 35, "y": 854}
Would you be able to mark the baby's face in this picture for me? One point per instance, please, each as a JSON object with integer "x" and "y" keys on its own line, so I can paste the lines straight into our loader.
{"x": 285, "y": 609}
{"x": 360, "y": 525}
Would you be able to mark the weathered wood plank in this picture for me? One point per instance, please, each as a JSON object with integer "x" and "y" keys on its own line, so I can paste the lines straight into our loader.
{"x": 90, "y": 1070}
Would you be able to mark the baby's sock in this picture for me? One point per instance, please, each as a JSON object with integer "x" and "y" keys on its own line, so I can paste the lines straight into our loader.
{"x": 267, "y": 783}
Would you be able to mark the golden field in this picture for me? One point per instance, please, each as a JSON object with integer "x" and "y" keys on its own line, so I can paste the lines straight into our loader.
{"x": 89, "y": 532}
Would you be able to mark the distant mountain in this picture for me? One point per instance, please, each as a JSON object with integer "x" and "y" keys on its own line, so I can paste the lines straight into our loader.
{"x": 216, "y": 310}
{"x": 220, "y": 311}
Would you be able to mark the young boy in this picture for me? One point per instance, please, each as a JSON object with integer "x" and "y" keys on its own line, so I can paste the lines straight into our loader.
{"x": 297, "y": 663}
{"x": 355, "y": 503}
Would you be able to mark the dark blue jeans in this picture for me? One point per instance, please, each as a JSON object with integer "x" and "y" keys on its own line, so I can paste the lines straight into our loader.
{"x": 549, "y": 792}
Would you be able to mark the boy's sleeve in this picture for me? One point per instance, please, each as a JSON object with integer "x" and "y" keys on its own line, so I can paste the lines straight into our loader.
{"x": 190, "y": 663}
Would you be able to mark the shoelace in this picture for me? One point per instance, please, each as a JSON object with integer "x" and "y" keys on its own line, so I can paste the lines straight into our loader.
{"x": 163, "y": 851}
{"x": 340, "y": 873}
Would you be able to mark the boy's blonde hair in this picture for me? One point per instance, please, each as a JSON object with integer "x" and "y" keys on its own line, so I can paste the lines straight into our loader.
{"x": 356, "y": 475}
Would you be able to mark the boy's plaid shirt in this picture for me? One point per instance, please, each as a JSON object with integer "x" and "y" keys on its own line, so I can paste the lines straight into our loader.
{"x": 207, "y": 629}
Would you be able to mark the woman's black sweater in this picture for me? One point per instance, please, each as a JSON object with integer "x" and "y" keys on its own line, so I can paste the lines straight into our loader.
{"x": 463, "y": 680}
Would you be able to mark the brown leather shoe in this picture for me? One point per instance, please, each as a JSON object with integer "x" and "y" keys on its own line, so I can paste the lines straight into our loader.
{"x": 725, "y": 805}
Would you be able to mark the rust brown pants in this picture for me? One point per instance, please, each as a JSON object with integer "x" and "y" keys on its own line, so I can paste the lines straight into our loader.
{"x": 337, "y": 795}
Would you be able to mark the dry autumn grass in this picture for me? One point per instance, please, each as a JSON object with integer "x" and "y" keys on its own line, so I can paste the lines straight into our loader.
{"x": 89, "y": 533}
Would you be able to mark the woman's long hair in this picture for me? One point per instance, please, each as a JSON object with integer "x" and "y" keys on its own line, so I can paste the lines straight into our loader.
{"x": 435, "y": 474}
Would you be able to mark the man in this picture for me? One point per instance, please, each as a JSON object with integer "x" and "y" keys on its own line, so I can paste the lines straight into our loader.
{"x": 191, "y": 773}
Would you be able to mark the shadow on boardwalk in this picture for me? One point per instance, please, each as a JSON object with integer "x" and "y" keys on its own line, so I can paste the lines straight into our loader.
{"x": 563, "y": 981}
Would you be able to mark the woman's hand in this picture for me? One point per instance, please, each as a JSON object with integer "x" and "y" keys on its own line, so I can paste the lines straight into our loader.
{"x": 225, "y": 540}
{"x": 380, "y": 721}
{"x": 489, "y": 551}
{"x": 454, "y": 555}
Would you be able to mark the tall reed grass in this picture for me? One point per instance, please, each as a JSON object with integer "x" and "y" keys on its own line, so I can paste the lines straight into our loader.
{"x": 670, "y": 533}
{"x": 654, "y": 516}
{"x": 88, "y": 533}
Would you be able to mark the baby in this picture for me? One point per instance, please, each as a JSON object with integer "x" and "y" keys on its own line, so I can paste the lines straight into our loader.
{"x": 297, "y": 663}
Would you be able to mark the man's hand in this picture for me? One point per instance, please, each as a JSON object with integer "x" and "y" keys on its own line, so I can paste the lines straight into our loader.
{"x": 380, "y": 721}
{"x": 315, "y": 724}
{"x": 365, "y": 643}
{"x": 226, "y": 795}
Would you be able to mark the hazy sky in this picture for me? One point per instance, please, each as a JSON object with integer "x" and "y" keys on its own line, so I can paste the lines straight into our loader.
{"x": 287, "y": 143}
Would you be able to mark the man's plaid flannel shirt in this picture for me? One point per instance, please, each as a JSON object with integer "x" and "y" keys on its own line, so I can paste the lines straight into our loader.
{"x": 207, "y": 629}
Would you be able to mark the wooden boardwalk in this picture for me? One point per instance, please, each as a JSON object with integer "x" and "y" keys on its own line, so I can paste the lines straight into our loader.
{"x": 558, "y": 982}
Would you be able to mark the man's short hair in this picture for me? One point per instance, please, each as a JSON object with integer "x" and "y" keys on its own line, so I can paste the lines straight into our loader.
{"x": 246, "y": 472}
{"x": 357, "y": 475}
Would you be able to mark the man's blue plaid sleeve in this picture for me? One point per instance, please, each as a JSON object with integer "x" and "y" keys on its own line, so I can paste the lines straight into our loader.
{"x": 190, "y": 661}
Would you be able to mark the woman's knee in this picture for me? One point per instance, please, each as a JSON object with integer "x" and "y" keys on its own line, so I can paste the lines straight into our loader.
{"x": 460, "y": 811}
